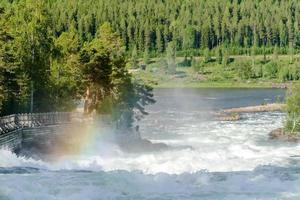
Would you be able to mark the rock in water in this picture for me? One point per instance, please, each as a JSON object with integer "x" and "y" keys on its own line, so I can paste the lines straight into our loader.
{"x": 282, "y": 135}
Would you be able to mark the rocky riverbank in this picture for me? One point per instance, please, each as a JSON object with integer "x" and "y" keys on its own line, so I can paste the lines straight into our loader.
{"x": 282, "y": 135}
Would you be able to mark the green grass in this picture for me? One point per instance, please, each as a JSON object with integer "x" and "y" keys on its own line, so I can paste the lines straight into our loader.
{"x": 239, "y": 73}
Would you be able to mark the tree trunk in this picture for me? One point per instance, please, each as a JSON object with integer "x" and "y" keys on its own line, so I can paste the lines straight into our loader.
{"x": 86, "y": 101}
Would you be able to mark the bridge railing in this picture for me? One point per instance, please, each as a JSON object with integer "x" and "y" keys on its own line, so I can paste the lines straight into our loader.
{"x": 30, "y": 120}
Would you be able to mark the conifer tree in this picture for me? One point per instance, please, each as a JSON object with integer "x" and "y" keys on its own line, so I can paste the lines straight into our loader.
{"x": 171, "y": 57}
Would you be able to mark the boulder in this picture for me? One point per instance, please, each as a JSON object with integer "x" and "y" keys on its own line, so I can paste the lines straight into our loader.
{"x": 282, "y": 135}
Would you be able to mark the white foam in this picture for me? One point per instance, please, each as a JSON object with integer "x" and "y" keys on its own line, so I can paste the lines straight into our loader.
{"x": 228, "y": 160}
{"x": 9, "y": 159}
{"x": 265, "y": 183}
{"x": 216, "y": 147}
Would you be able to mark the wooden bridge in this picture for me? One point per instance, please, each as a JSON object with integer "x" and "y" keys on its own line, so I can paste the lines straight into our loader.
{"x": 13, "y": 127}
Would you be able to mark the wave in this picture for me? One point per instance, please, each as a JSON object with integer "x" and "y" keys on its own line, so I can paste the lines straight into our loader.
{"x": 208, "y": 160}
{"x": 229, "y": 146}
{"x": 264, "y": 183}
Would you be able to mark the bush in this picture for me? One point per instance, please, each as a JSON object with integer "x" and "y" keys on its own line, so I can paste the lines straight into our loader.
{"x": 197, "y": 65}
{"x": 270, "y": 70}
{"x": 257, "y": 71}
{"x": 171, "y": 57}
{"x": 284, "y": 73}
{"x": 289, "y": 72}
{"x": 294, "y": 71}
{"x": 1, "y": 96}
{"x": 219, "y": 55}
{"x": 207, "y": 56}
{"x": 293, "y": 109}
{"x": 134, "y": 61}
{"x": 186, "y": 62}
{"x": 146, "y": 57}
{"x": 244, "y": 70}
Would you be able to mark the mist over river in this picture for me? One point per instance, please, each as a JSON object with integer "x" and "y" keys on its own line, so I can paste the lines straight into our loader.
{"x": 206, "y": 159}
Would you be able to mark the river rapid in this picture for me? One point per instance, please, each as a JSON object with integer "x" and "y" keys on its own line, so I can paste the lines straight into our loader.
{"x": 206, "y": 159}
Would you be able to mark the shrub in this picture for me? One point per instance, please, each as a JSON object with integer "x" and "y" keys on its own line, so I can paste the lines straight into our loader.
{"x": 197, "y": 65}
{"x": 186, "y": 62}
{"x": 284, "y": 73}
{"x": 207, "y": 56}
{"x": 244, "y": 70}
{"x": 257, "y": 71}
{"x": 226, "y": 59}
{"x": 219, "y": 55}
{"x": 134, "y": 61}
{"x": 293, "y": 109}
{"x": 171, "y": 57}
{"x": 146, "y": 57}
{"x": 270, "y": 70}
{"x": 294, "y": 71}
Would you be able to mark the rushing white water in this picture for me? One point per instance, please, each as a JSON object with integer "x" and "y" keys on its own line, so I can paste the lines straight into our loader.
{"x": 207, "y": 159}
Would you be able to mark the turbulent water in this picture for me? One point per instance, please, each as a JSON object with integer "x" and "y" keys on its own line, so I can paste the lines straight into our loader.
{"x": 207, "y": 159}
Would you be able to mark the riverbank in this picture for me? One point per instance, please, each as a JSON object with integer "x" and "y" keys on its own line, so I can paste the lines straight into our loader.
{"x": 240, "y": 72}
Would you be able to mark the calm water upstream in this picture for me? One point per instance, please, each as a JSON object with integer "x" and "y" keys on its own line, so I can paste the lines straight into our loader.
{"x": 208, "y": 159}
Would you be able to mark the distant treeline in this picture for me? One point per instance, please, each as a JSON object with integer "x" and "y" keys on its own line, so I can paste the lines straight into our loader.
{"x": 151, "y": 24}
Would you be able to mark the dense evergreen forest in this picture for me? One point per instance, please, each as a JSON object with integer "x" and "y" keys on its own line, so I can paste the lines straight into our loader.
{"x": 54, "y": 53}
{"x": 149, "y": 25}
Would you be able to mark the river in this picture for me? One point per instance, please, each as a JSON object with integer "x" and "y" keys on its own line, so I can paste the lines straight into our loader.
{"x": 207, "y": 159}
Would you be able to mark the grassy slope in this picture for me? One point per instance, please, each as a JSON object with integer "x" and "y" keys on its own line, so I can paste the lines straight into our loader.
{"x": 213, "y": 74}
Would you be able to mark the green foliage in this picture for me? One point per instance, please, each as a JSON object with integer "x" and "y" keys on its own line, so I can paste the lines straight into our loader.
{"x": 134, "y": 58}
{"x": 65, "y": 72}
{"x": 289, "y": 72}
{"x": 108, "y": 85}
{"x": 171, "y": 57}
{"x": 275, "y": 53}
{"x": 207, "y": 56}
{"x": 197, "y": 65}
{"x": 187, "y": 62}
{"x": 60, "y": 67}
{"x": 244, "y": 70}
{"x": 57, "y": 47}
{"x": 270, "y": 70}
{"x": 188, "y": 37}
{"x": 293, "y": 109}
{"x": 99, "y": 60}
{"x": 295, "y": 71}
{"x": 284, "y": 74}
{"x": 219, "y": 55}
{"x": 226, "y": 59}
{"x": 192, "y": 24}
{"x": 146, "y": 57}
{"x": 27, "y": 54}
{"x": 257, "y": 70}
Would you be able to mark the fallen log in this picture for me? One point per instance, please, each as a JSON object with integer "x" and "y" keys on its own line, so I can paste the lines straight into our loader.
{"x": 261, "y": 108}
